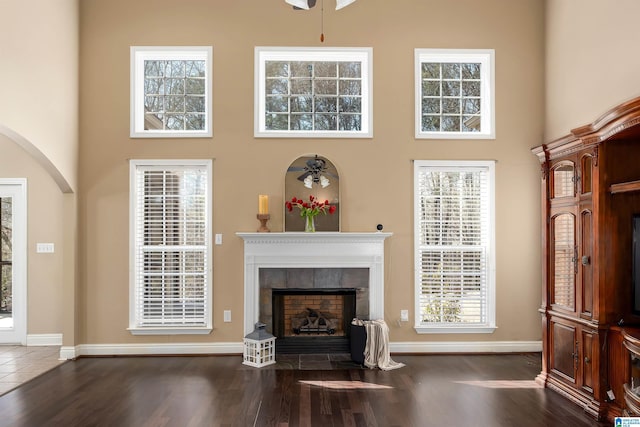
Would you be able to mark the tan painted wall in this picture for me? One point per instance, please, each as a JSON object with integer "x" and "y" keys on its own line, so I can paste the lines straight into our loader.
{"x": 592, "y": 61}
{"x": 45, "y": 204}
{"x": 39, "y": 102}
{"x": 245, "y": 167}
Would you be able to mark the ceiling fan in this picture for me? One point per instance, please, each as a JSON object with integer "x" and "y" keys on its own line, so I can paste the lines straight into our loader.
{"x": 308, "y": 4}
{"x": 314, "y": 172}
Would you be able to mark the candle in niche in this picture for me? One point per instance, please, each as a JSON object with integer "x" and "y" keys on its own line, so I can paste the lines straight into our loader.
{"x": 263, "y": 205}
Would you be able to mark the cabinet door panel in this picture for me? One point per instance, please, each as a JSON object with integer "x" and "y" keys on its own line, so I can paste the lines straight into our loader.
{"x": 563, "y": 180}
{"x": 586, "y": 164}
{"x": 586, "y": 344}
{"x": 563, "y": 349}
{"x": 586, "y": 278}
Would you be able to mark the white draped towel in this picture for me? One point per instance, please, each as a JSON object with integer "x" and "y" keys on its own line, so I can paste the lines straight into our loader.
{"x": 376, "y": 350}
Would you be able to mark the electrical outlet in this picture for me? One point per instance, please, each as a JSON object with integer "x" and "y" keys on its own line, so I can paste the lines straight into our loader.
{"x": 227, "y": 315}
{"x": 611, "y": 396}
{"x": 404, "y": 315}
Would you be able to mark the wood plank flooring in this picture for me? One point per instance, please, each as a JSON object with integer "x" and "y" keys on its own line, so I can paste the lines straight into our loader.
{"x": 432, "y": 390}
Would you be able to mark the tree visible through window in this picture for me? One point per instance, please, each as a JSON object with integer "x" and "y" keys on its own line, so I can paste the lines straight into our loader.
{"x": 174, "y": 95}
{"x": 454, "y": 244}
{"x": 454, "y": 93}
{"x": 306, "y": 92}
{"x": 305, "y": 95}
{"x": 170, "y": 91}
{"x": 6, "y": 212}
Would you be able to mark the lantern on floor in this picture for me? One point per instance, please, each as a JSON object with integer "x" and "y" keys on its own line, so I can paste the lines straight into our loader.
{"x": 259, "y": 347}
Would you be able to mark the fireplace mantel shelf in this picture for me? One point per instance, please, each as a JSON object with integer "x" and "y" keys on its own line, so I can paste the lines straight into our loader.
{"x": 293, "y": 236}
{"x": 312, "y": 250}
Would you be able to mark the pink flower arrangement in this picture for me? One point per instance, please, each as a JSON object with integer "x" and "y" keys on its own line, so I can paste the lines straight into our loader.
{"x": 311, "y": 208}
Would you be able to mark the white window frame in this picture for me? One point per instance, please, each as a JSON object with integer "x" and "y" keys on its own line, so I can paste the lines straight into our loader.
{"x": 17, "y": 189}
{"x": 140, "y": 54}
{"x": 134, "y": 327}
{"x": 320, "y": 54}
{"x": 486, "y": 57}
{"x": 489, "y": 324}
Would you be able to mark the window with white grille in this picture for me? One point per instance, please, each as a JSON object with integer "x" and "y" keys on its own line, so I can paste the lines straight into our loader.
{"x": 170, "y": 92}
{"x": 170, "y": 246}
{"x": 454, "y": 93}
{"x": 313, "y": 92}
{"x": 454, "y": 246}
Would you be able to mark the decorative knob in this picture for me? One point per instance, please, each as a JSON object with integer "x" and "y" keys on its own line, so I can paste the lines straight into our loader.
{"x": 587, "y": 360}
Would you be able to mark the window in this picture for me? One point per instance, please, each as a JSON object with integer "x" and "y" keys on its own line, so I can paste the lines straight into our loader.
{"x": 170, "y": 92}
{"x": 454, "y": 93}
{"x": 170, "y": 290}
{"x": 313, "y": 92}
{"x": 454, "y": 246}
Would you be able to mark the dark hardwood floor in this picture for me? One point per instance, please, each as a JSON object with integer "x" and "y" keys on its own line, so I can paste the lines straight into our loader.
{"x": 432, "y": 390}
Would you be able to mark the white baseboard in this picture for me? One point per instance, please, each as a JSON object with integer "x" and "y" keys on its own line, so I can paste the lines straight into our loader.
{"x": 68, "y": 353}
{"x": 44, "y": 339}
{"x": 150, "y": 349}
{"x": 425, "y": 347}
{"x": 234, "y": 348}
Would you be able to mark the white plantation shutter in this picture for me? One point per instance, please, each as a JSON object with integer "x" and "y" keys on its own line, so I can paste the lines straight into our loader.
{"x": 171, "y": 253}
{"x": 564, "y": 259}
{"x": 454, "y": 238}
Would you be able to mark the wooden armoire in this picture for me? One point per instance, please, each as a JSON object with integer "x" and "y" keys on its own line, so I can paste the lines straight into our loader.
{"x": 590, "y": 193}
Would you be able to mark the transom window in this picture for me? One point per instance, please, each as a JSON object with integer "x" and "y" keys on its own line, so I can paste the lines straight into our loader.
{"x": 313, "y": 92}
{"x": 454, "y": 249}
{"x": 170, "y": 91}
{"x": 454, "y": 93}
{"x": 170, "y": 247}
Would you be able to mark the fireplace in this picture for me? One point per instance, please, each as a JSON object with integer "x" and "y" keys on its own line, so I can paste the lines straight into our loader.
{"x": 313, "y": 320}
{"x": 339, "y": 294}
{"x": 271, "y": 259}
{"x": 300, "y": 312}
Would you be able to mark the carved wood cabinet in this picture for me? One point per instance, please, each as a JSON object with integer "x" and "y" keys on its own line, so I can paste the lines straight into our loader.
{"x": 588, "y": 199}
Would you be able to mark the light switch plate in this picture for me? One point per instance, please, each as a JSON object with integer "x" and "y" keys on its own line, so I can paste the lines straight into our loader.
{"x": 227, "y": 315}
{"x": 45, "y": 248}
{"x": 404, "y": 315}
{"x": 218, "y": 239}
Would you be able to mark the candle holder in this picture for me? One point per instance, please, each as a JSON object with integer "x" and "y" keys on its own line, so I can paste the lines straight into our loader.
{"x": 263, "y": 218}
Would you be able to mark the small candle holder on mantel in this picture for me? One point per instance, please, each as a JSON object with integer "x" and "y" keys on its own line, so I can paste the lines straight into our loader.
{"x": 263, "y": 218}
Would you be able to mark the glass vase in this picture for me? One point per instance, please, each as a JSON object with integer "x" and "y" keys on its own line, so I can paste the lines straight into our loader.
{"x": 309, "y": 224}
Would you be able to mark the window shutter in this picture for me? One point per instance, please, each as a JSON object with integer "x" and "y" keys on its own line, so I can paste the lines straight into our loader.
{"x": 453, "y": 239}
{"x": 171, "y": 246}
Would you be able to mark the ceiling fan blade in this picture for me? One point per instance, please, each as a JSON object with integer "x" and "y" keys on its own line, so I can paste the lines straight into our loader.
{"x": 331, "y": 175}
{"x": 301, "y": 4}
{"x": 343, "y": 3}
{"x": 296, "y": 169}
{"x": 304, "y": 176}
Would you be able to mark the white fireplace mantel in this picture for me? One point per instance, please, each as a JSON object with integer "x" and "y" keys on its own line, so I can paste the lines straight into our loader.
{"x": 312, "y": 250}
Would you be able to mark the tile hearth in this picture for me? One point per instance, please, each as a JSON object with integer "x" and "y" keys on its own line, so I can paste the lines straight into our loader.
{"x": 312, "y": 362}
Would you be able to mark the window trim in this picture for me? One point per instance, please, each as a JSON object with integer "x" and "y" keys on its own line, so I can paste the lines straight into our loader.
{"x": 268, "y": 53}
{"x": 490, "y": 325}
{"x": 487, "y": 90}
{"x": 134, "y": 328}
{"x": 141, "y": 53}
